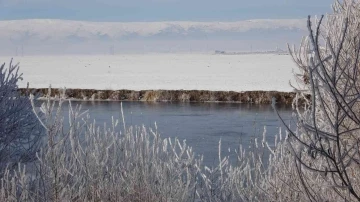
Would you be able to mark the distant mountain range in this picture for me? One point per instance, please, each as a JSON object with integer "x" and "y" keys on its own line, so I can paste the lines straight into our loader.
{"x": 48, "y": 34}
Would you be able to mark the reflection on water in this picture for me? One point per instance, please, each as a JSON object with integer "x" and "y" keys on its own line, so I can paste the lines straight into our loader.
{"x": 201, "y": 124}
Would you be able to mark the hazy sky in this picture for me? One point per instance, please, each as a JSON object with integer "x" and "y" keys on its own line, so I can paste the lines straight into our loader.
{"x": 161, "y": 10}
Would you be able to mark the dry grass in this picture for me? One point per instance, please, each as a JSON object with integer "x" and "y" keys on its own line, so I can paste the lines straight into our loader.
{"x": 257, "y": 97}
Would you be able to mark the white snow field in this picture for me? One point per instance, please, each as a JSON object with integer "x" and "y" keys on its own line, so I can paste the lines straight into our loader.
{"x": 159, "y": 71}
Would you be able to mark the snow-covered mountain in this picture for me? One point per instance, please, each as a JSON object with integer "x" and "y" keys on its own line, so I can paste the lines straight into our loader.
{"x": 41, "y": 32}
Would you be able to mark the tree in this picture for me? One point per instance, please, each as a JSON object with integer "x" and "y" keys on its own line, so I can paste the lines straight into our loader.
{"x": 20, "y": 131}
{"x": 326, "y": 145}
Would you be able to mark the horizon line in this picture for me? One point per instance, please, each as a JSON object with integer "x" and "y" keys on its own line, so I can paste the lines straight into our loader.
{"x": 225, "y": 21}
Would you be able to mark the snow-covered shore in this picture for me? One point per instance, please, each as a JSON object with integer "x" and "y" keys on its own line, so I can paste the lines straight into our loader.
{"x": 262, "y": 72}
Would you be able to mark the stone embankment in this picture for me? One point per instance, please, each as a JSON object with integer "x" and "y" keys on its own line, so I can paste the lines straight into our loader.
{"x": 257, "y": 97}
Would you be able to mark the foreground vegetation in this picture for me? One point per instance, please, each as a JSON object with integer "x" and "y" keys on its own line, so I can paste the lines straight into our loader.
{"x": 80, "y": 162}
{"x": 319, "y": 161}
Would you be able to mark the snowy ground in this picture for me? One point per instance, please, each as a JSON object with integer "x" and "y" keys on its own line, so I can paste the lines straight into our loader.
{"x": 159, "y": 71}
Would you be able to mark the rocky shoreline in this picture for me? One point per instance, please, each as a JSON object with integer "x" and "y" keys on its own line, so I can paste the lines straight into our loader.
{"x": 256, "y": 97}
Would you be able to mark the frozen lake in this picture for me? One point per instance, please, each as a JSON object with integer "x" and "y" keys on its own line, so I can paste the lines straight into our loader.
{"x": 201, "y": 124}
{"x": 159, "y": 71}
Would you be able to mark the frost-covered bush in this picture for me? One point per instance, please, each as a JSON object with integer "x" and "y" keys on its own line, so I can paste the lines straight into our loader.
{"x": 326, "y": 146}
{"x": 20, "y": 130}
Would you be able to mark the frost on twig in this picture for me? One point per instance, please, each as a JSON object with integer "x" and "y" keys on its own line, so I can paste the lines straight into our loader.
{"x": 326, "y": 146}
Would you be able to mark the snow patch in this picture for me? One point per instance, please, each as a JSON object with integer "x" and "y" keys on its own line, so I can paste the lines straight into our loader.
{"x": 266, "y": 72}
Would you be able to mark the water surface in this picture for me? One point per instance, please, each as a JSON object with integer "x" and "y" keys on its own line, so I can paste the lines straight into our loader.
{"x": 201, "y": 124}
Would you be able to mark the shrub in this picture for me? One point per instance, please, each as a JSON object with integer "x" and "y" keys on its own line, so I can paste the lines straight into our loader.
{"x": 326, "y": 146}
{"x": 20, "y": 131}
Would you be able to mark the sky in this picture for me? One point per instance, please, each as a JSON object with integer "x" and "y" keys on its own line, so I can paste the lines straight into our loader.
{"x": 161, "y": 10}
